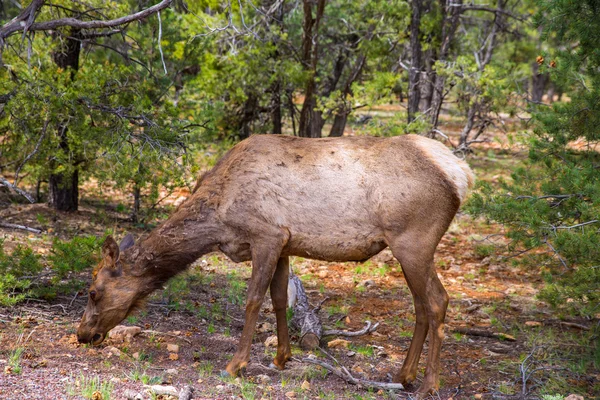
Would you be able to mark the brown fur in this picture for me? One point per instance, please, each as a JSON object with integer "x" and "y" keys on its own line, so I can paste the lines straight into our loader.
{"x": 271, "y": 197}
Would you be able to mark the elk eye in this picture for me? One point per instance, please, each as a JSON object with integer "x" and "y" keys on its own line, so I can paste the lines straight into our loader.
{"x": 93, "y": 294}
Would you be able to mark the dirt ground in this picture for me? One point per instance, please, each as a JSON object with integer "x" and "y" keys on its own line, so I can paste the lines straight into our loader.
{"x": 202, "y": 313}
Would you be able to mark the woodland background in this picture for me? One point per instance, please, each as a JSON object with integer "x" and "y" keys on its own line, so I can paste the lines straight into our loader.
{"x": 110, "y": 110}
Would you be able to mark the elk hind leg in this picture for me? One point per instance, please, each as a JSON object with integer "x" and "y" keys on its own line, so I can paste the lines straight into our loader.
{"x": 431, "y": 302}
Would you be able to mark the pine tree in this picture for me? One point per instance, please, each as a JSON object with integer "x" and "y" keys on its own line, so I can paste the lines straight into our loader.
{"x": 553, "y": 202}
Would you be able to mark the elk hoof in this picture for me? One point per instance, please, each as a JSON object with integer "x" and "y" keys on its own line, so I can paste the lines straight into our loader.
{"x": 225, "y": 374}
{"x": 273, "y": 366}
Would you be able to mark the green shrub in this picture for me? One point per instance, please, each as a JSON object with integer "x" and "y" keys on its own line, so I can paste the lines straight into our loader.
{"x": 17, "y": 271}
{"x": 76, "y": 255}
{"x": 20, "y": 271}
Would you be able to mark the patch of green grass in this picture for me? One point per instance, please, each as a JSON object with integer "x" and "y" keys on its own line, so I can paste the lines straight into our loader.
{"x": 484, "y": 250}
{"x": 366, "y": 351}
{"x": 206, "y": 369}
{"x": 14, "y": 359}
{"x": 87, "y": 386}
{"x": 211, "y": 328}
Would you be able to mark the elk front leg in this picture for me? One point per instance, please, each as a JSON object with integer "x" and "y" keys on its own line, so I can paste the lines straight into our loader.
{"x": 264, "y": 264}
{"x": 279, "y": 285}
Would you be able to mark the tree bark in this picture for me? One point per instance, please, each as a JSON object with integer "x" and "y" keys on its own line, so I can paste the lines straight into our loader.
{"x": 64, "y": 186}
{"x": 311, "y": 121}
{"x": 64, "y": 191}
{"x": 414, "y": 73}
{"x": 305, "y": 319}
{"x": 539, "y": 82}
{"x": 450, "y": 20}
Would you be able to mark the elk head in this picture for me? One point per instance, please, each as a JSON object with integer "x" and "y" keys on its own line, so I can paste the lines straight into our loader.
{"x": 113, "y": 294}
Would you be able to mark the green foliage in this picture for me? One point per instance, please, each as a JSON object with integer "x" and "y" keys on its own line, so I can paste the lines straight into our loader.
{"x": 76, "y": 255}
{"x": 20, "y": 271}
{"x": 552, "y": 202}
{"x": 17, "y": 271}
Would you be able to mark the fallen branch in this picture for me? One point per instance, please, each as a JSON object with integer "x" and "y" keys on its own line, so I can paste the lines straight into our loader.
{"x": 482, "y": 333}
{"x": 567, "y": 324}
{"x": 305, "y": 318}
{"x": 337, "y": 332}
{"x": 16, "y": 189}
{"x": 186, "y": 393}
{"x": 344, "y": 374}
{"x": 151, "y": 332}
{"x": 16, "y": 226}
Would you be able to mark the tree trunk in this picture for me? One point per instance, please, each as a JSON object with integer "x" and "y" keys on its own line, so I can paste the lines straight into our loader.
{"x": 414, "y": 73}
{"x": 339, "y": 124}
{"x": 276, "y": 117}
{"x": 311, "y": 121}
{"x": 64, "y": 186}
{"x": 248, "y": 114}
{"x": 450, "y": 21}
{"x": 64, "y": 191}
{"x": 539, "y": 82}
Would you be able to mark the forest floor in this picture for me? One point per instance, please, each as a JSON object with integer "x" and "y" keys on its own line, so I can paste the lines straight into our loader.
{"x": 534, "y": 352}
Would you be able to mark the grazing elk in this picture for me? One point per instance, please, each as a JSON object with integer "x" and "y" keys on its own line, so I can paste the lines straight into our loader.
{"x": 273, "y": 196}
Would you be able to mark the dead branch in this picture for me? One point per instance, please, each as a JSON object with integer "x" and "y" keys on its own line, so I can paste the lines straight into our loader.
{"x": 29, "y": 14}
{"x": 16, "y": 226}
{"x": 186, "y": 393}
{"x": 338, "y": 332}
{"x": 344, "y": 374}
{"x": 305, "y": 318}
{"x": 482, "y": 333}
{"x": 16, "y": 189}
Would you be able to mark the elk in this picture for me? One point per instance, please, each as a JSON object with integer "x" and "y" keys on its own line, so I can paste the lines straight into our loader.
{"x": 271, "y": 197}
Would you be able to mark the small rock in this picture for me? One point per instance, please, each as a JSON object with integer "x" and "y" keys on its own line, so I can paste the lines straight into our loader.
{"x": 271, "y": 341}
{"x": 291, "y": 395}
{"x": 478, "y": 396}
{"x": 305, "y": 385}
{"x": 351, "y": 353}
{"x": 136, "y": 355}
{"x": 172, "y": 371}
{"x": 122, "y": 333}
{"x": 533, "y": 323}
{"x": 220, "y": 388}
{"x": 133, "y": 395}
{"x": 112, "y": 351}
{"x": 322, "y": 274}
{"x": 114, "y": 379}
{"x": 172, "y": 348}
{"x": 574, "y": 397}
{"x": 338, "y": 343}
{"x": 263, "y": 378}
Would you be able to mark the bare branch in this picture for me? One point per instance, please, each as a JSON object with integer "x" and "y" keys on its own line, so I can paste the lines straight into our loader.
{"x": 343, "y": 373}
{"x": 29, "y": 14}
{"x": 16, "y": 189}
{"x": 474, "y": 7}
{"x": 16, "y": 226}
{"x": 367, "y": 329}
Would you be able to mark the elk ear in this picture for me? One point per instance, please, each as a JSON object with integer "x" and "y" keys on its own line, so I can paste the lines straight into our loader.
{"x": 126, "y": 242}
{"x": 110, "y": 252}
